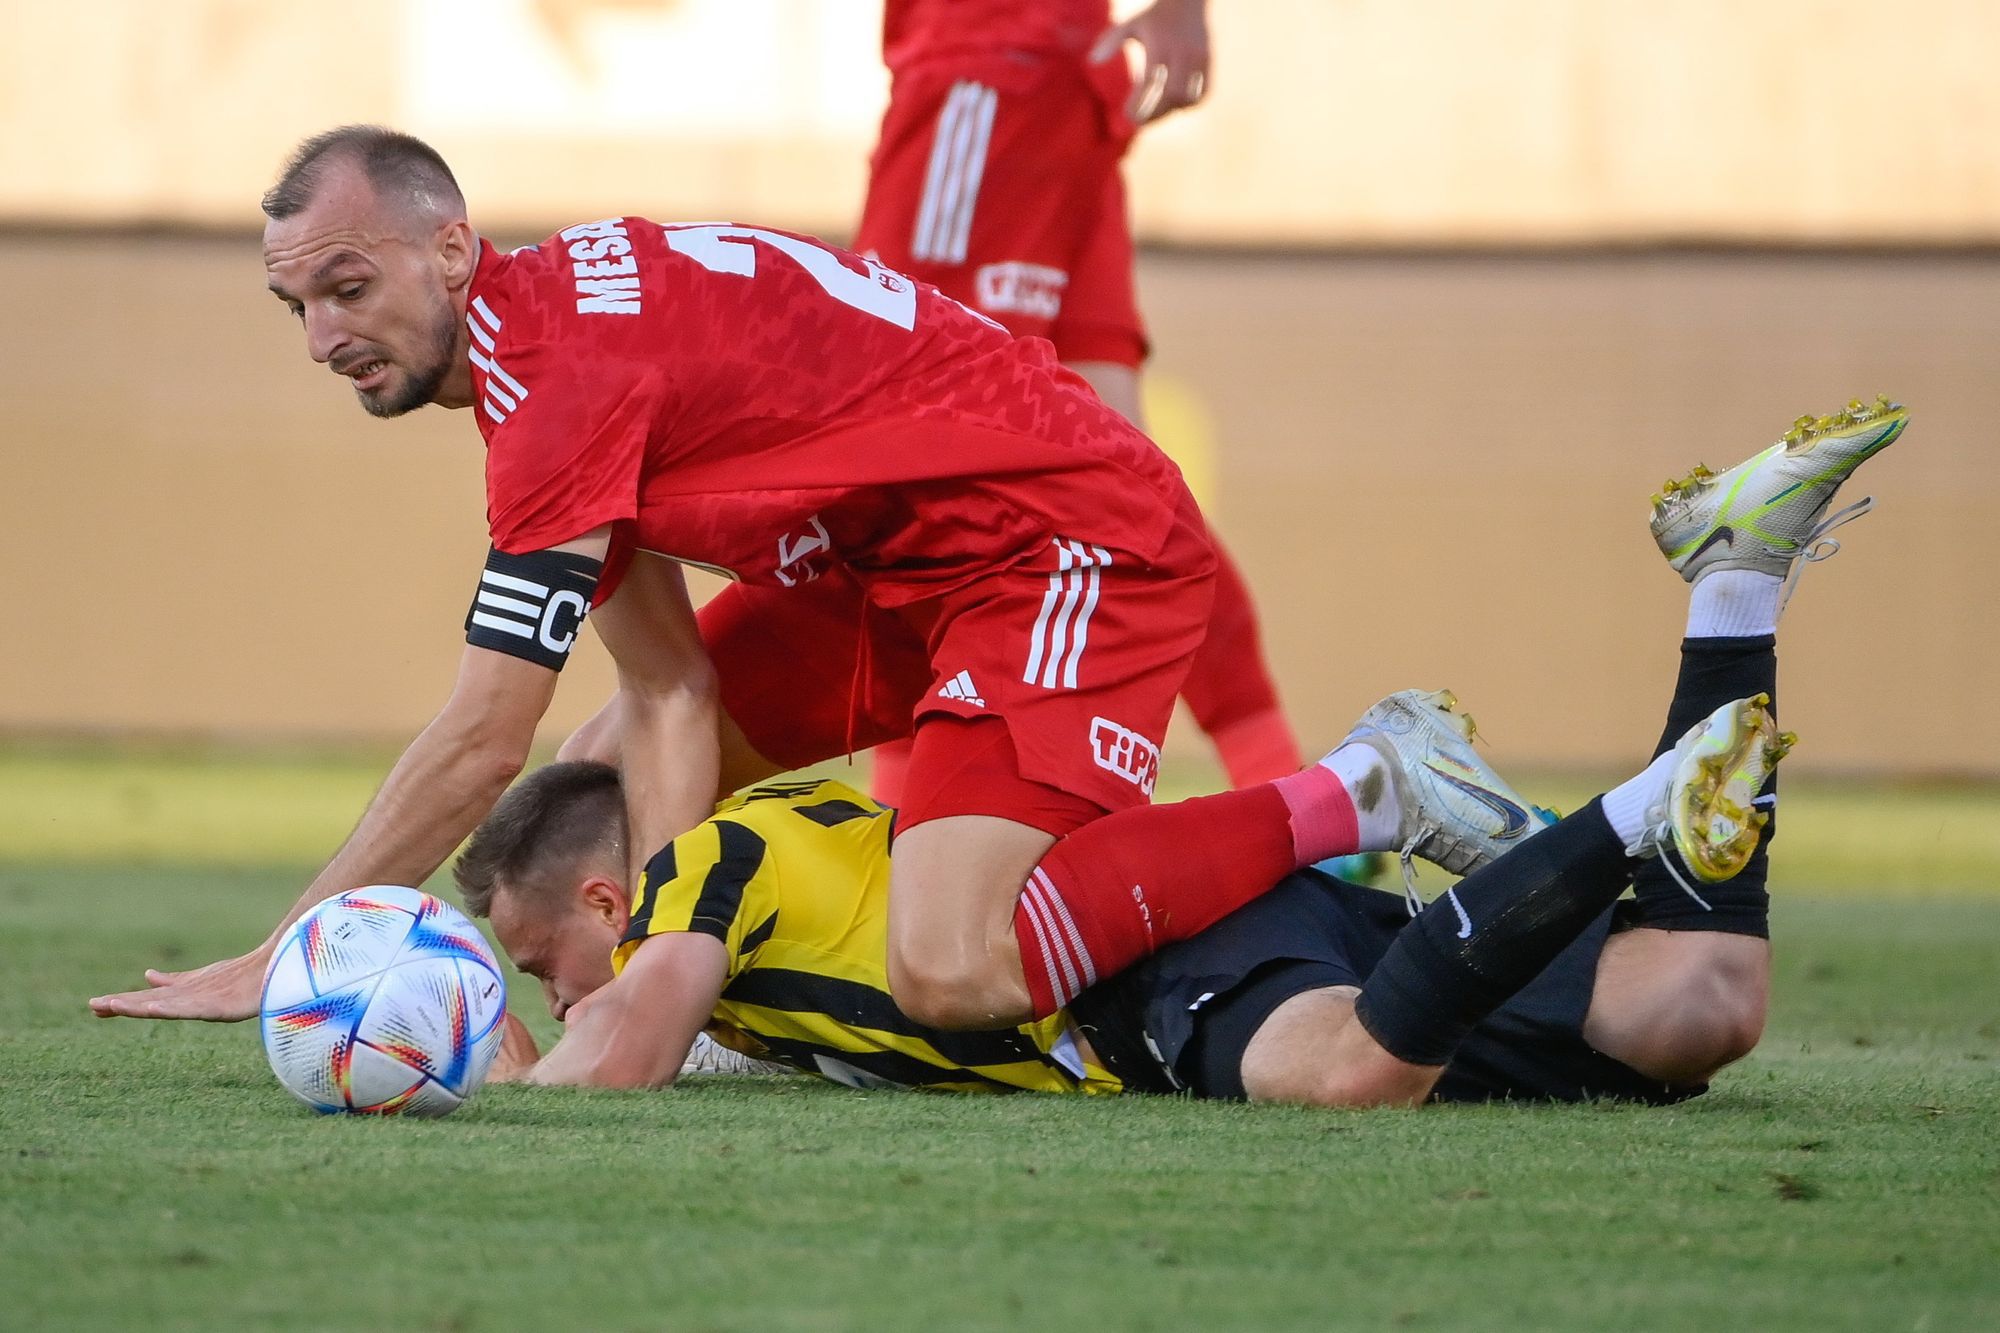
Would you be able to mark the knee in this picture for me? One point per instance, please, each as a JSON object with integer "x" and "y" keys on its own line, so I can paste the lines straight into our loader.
{"x": 1722, "y": 1023}
{"x": 1736, "y": 1023}
{"x": 1736, "y": 1000}
{"x": 1678, "y": 1006}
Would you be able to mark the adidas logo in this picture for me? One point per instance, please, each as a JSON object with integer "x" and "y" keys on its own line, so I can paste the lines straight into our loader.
{"x": 961, "y": 688}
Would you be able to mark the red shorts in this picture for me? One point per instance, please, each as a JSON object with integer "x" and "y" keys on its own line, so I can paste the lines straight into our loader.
{"x": 1078, "y": 651}
{"x": 996, "y": 180}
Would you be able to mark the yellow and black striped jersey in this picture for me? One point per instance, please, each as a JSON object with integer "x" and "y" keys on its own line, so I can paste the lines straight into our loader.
{"x": 793, "y": 878}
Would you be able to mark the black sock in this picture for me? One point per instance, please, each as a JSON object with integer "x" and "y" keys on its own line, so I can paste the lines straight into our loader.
{"x": 1713, "y": 672}
{"x": 1469, "y": 951}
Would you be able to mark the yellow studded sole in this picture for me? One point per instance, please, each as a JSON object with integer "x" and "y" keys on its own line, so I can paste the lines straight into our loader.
{"x": 1809, "y": 428}
{"x": 1447, "y": 703}
{"x": 1716, "y": 823}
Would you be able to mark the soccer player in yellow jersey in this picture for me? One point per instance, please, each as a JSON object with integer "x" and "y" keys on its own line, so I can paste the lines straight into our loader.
{"x": 767, "y": 924}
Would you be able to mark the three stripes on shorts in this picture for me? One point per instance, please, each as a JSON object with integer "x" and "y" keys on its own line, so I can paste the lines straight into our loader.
{"x": 1063, "y": 627}
{"x": 951, "y": 185}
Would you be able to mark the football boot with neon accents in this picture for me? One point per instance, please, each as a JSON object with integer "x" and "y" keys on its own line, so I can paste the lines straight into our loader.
{"x": 1706, "y": 808}
{"x": 1457, "y": 813}
{"x": 1768, "y": 512}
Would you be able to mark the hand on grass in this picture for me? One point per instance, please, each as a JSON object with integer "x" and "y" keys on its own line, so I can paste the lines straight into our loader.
{"x": 1173, "y": 34}
{"x": 222, "y": 992}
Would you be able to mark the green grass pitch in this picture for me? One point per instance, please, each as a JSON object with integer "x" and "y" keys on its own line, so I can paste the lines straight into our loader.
{"x": 154, "y": 1176}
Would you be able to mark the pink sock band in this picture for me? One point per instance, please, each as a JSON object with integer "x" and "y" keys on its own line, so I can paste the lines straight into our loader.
{"x": 1324, "y": 822}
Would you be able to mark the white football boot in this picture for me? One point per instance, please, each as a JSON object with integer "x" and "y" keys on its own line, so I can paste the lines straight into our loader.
{"x": 1768, "y": 513}
{"x": 1706, "y": 806}
{"x": 1458, "y": 813}
{"x": 709, "y": 1056}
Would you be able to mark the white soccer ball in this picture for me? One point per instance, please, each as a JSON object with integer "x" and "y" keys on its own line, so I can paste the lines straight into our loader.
{"x": 383, "y": 1001}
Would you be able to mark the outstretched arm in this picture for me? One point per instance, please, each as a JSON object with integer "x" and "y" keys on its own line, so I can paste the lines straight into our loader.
{"x": 635, "y": 1032}
{"x": 439, "y": 790}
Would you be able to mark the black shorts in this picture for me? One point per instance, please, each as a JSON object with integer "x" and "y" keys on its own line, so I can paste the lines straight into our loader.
{"x": 1181, "y": 1020}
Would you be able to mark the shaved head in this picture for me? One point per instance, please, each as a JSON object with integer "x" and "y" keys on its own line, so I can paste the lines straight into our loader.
{"x": 406, "y": 174}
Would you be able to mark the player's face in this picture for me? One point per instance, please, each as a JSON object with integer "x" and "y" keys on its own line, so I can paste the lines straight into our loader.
{"x": 567, "y": 948}
{"x": 374, "y": 296}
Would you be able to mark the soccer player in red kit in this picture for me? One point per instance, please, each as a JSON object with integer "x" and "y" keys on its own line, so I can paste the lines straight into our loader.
{"x": 935, "y": 529}
{"x": 996, "y": 179}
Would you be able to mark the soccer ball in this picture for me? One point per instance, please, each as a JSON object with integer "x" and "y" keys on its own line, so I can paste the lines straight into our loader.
{"x": 383, "y": 1001}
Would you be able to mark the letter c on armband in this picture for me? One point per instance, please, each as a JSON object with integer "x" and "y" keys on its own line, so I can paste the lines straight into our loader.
{"x": 532, "y": 606}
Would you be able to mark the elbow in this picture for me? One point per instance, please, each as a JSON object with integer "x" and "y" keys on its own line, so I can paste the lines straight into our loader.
{"x": 484, "y": 735}
{"x": 488, "y": 757}
{"x": 496, "y": 762}
{"x": 596, "y": 741}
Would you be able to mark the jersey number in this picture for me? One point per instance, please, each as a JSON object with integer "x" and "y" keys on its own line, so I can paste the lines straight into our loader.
{"x": 881, "y": 292}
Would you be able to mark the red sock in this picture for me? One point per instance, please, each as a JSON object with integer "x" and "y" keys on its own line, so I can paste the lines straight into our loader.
{"x": 1230, "y": 691}
{"x": 1123, "y": 886}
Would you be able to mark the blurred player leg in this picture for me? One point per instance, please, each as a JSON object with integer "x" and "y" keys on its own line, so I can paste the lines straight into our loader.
{"x": 1229, "y": 688}
{"x": 1230, "y": 691}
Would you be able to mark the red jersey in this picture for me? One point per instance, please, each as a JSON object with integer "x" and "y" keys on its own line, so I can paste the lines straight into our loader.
{"x": 918, "y": 30}
{"x": 765, "y": 405}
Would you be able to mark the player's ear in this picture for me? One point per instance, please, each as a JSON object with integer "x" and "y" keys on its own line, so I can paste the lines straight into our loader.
{"x": 457, "y": 253}
{"x": 605, "y": 899}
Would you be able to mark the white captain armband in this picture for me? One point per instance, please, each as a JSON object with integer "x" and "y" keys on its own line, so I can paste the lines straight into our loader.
{"x": 532, "y": 606}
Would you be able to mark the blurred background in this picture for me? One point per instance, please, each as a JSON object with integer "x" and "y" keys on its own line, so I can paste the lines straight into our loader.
{"x": 1439, "y": 294}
